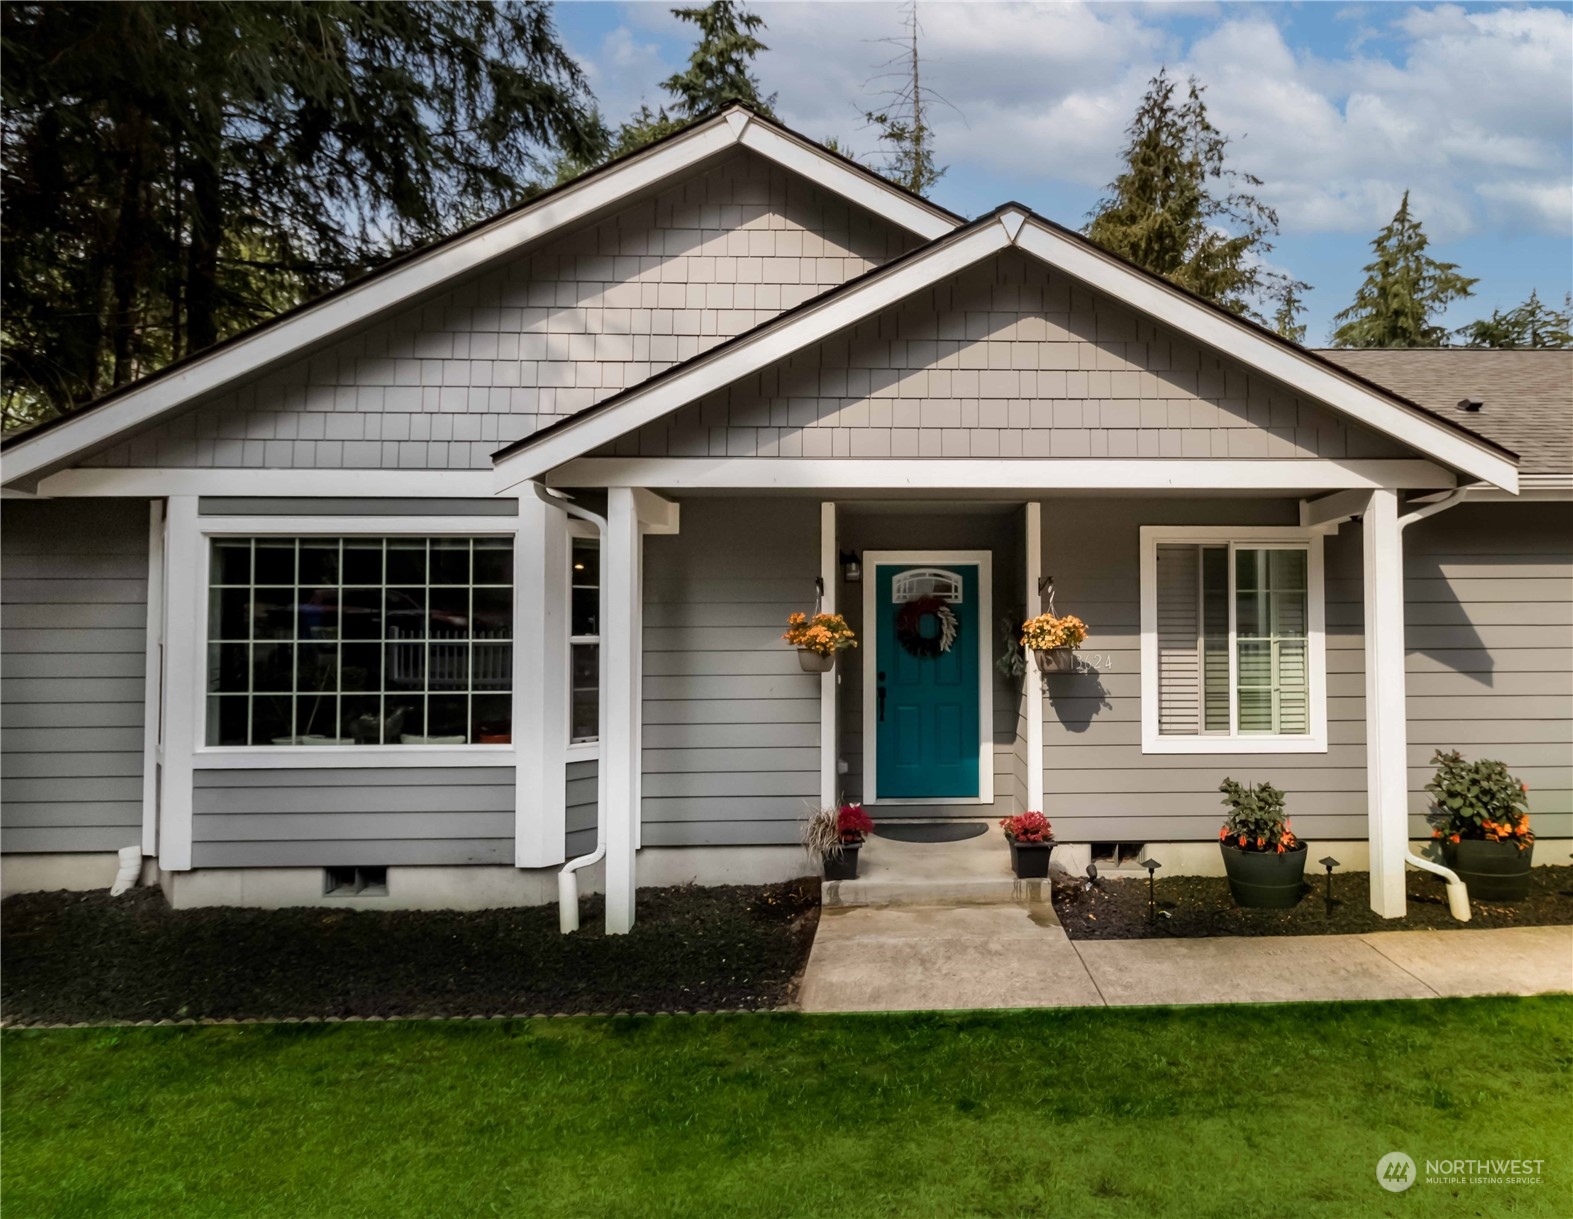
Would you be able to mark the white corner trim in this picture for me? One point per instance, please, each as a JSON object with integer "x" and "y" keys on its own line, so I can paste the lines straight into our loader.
{"x": 1155, "y": 742}
{"x": 815, "y": 164}
{"x": 1224, "y": 334}
{"x": 984, "y": 561}
{"x": 587, "y": 431}
{"x": 1004, "y": 478}
{"x": 153, "y": 678}
{"x": 1032, "y": 683}
{"x": 185, "y": 621}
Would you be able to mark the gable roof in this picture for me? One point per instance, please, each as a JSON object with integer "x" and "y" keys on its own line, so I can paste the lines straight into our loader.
{"x": 1526, "y": 396}
{"x": 1010, "y": 225}
{"x": 409, "y": 276}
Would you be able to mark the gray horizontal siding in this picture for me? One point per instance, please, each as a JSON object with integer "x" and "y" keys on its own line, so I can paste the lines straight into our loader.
{"x": 581, "y": 812}
{"x": 1490, "y": 672}
{"x": 350, "y": 815}
{"x": 1500, "y": 576}
{"x": 731, "y": 736}
{"x": 73, "y": 641}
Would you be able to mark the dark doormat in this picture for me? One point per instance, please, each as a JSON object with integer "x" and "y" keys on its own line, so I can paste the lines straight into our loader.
{"x": 943, "y": 831}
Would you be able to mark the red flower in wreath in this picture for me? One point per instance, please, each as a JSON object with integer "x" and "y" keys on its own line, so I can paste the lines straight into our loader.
{"x": 909, "y": 626}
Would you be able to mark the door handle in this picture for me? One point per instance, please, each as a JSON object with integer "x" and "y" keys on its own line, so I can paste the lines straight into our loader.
{"x": 880, "y": 696}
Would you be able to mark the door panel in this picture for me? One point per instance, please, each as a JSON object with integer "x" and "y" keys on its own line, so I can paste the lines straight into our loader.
{"x": 928, "y": 730}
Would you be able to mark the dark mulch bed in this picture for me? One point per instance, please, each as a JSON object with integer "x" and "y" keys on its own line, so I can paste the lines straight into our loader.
{"x": 1200, "y": 905}
{"x": 89, "y": 957}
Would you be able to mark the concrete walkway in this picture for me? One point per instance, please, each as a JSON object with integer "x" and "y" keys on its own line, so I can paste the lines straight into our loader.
{"x": 901, "y": 958}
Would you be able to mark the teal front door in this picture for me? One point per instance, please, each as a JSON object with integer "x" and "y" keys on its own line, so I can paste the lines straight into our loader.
{"x": 926, "y": 700}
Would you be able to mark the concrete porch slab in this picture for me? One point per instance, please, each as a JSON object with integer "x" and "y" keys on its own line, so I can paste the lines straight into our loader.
{"x": 912, "y": 958}
{"x": 1500, "y": 961}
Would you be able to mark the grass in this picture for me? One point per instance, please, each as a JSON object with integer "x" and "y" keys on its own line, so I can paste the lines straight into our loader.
{"x": 1229, "y": 1111}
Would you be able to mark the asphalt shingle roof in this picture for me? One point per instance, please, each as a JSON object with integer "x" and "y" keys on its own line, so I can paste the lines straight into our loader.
{"x": 1527, "y": 396}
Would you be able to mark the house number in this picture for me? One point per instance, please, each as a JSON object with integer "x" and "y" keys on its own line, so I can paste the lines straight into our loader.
{"x": 1094, "y": 662}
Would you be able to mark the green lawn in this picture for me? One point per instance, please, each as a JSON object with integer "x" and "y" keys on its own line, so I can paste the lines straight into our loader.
{"x": 1238, "y": 1112}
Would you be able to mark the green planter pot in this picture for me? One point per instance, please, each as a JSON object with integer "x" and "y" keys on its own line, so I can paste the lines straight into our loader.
{"x": 1030, "y": 860}
{"x": 1265, "y": 880}
{"x": 845, "y": 865}
{"x": 1494, "y": 871}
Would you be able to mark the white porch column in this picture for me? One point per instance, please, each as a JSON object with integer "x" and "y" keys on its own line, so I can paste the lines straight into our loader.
{"x": 620, "y": 681}
{"x": 1032, "y": 683}
{"x": 1386, "y": 729}
{"x": 540, "y": 687}
{"x": 153, "y": 679}
{"x": 829, "y": 571}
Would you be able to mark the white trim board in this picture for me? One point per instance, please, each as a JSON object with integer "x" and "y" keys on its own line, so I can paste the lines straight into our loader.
{"x": 137, "y": 482}
{"x": 1156, "y": 742}
{"x": 944, "y": 258}
{"x": 1003, "y": 478}
{"x": 984, "y": 561}
{"x": 397, "y": 287}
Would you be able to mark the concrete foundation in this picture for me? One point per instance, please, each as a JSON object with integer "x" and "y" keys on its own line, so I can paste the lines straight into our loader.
{"x": 77, "y": 872}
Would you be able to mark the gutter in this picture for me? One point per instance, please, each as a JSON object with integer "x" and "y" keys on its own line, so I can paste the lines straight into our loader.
{"x": 568, "y": 878}
{"x": 1457, "y": 891}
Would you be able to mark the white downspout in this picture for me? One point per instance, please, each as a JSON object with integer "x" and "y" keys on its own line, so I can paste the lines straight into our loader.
{"x": 1457, "y": 891}
{"x": 568, "y": 879}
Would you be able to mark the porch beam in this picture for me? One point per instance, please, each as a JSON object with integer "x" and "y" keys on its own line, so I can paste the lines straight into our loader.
{"x": 1003, "y": 479}
{"x": 620, "y": 754}
{"x": 1330, "y": 511}
{"x": 1386, "y": 730}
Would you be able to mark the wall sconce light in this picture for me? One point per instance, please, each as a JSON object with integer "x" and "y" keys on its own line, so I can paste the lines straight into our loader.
{"x": 851, "y": 568}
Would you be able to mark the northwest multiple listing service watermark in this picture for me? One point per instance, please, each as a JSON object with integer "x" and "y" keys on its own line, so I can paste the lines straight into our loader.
{"x": 1396, "y": 1172}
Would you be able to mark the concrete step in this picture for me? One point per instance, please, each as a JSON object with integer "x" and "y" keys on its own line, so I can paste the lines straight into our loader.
{"x": 972, "y": 872}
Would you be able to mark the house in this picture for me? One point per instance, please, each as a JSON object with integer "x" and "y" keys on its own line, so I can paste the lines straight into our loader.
{"x": 399, "y": 597}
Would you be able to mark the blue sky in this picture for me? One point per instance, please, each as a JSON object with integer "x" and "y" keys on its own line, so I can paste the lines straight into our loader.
{"x": 1338, "y": 108}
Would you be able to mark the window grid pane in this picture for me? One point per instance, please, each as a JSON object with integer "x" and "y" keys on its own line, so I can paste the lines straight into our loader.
{"x": 340, "y": 641}
{"x": 1271, "y": 654}
{"x": 584, "y": 617}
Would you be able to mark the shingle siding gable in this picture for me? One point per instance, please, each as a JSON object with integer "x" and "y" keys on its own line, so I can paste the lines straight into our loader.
{"x": 543, "y": 336}
{"x": 1010, "y": 359}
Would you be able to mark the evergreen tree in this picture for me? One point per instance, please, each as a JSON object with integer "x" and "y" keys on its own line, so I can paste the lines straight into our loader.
{"x": 1291, "y": 304}
{"x": 1178, "y": 210}
{"x": 177, "y": 172}
{"x": 1530, "y": 325}
{"x": 902, "y": 124}
{"x": 1404, "y": 290}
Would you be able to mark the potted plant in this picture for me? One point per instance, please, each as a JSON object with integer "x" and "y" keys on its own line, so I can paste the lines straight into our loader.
{"x": 1480, "y": 816}
{"x": 833, "y": 835}
{"x": 1031, "y": 839}
{"x": 1264, "y": 860}
{"x": 819, "y": 640}
{"x": 1054, "y": 640}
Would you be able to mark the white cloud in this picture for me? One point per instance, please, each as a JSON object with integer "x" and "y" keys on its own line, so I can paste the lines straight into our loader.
{"x": 1470, "y": 111}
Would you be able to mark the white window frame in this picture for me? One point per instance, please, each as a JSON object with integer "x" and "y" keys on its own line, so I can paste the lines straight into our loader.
{"x": 1236, "y": 537}
{"x": 334, "y": 757}
{"x": 577, "y": 751}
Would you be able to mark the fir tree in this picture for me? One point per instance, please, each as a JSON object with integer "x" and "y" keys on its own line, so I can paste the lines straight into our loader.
{"x": 1286, "y": 292}
{"x": 1178, "y": 210}
{"x": 1405, "y": 289}
{"x": 1530, "y": 325}
{"x": 903, "y": 123}
{"x": 176, "y": 172}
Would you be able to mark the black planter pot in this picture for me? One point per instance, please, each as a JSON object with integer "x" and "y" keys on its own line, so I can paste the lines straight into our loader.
{"x": 1030, "y": 860}
{"x": 1494, "y": 871}
{"x": 1265, "y": 880}
{"x": 845, "y": 865}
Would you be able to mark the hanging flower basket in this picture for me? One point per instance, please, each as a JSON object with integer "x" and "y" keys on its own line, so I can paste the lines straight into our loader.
{"x": 815, "y": 662}
{"x": 1053, "y": 641}
{"x": 819, "y": 640}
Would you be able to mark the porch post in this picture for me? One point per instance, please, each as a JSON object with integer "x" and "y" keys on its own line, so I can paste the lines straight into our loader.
{"x": 828, "y": 571}
{"x": 620, "y": 749}
{"x": 1386, "y": 730}
{"x": 1032, "y": 684}
{"x": 540, "y": 688}
{"x": 185, "y": 599}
